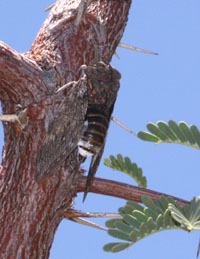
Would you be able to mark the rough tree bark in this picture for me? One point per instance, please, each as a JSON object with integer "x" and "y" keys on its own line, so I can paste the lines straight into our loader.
{"x": 32, "y": 209}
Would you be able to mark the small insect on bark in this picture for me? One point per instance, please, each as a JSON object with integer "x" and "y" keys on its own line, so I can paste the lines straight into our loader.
{"x": 102, "y": 87}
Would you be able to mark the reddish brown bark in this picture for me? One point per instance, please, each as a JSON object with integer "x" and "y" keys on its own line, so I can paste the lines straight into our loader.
{"x": 123, "y": 191}
{"x": 31, "y": 209}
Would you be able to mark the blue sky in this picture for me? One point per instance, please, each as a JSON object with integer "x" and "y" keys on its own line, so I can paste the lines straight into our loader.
{"x": 153, "y": 88}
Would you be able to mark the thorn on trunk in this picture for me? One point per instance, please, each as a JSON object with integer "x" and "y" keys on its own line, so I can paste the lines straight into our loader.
{"x": 21, "y": 118}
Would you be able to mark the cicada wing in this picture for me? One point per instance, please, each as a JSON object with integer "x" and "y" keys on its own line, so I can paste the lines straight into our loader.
{"x": 92, "y": 170}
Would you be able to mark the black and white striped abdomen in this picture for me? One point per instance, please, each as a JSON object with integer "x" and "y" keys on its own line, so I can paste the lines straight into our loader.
{"x": 96, "y": 126}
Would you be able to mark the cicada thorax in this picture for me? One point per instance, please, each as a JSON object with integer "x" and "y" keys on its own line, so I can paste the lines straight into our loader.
{"x": 102, "y": 84}
{"x": 96, "y": 126}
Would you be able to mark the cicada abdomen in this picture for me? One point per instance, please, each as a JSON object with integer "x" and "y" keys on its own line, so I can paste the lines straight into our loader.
{"x": 96, "y": 126}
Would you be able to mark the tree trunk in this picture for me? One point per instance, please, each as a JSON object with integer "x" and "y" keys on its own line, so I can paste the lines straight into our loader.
{"x": 40, "y": 167}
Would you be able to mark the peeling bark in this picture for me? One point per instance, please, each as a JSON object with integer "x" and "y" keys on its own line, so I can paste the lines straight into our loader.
{"x": 31, "y": 205}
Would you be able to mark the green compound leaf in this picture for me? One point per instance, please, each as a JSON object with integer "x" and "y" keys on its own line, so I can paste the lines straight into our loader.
{"x": 139, "y": 221}
{"x": 172, "y": 133}
{"x": 124, "y": 164}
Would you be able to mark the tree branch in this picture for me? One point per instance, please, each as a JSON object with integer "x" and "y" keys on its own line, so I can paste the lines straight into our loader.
{"x": 20, "y": 77}
{"x": 122, "y": 190}
{"x": 94, "y": 39}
